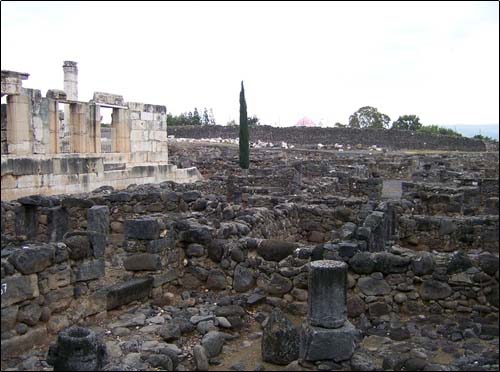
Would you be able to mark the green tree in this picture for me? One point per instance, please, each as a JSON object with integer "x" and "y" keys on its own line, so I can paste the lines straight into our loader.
{"x": 435, "y": 129}
{"x": 407, "y": 122}
{"x": 368, "y": 117}
{"x": 253, "y": 120}
{"x": 205, "y": 120}
{"x": 196, "y": 117}
{"x": 244, "y": 136}
{"x": 211, "y": 117}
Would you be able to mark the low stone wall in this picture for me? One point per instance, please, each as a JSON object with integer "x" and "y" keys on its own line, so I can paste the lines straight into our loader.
{"x": 391, "y": 139}
{"x": 442, "y": 200}
{"x": 446, "y": 234}
{"x": 73, "y": 174}
{"x": 48, "y": 287}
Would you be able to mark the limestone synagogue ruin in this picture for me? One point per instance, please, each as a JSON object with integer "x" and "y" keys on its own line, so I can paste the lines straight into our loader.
{"x": 54, "y": 144}
{"x": 124, "y": 248}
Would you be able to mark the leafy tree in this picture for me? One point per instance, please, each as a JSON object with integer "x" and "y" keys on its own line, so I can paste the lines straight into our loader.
{"x": 196, "y": 117}
{"x": 484, "y": 138}
{"x": 244, "y": 136}
{"x": 407, "y": 122}
{"x": 253, "y": 120}
{"x": 205, "y": 120}
{"x": 211, "y": 117}
{"x": 231, "y": 122}
{"x": 368, "y": 117}
{"x": 434, "y": 129}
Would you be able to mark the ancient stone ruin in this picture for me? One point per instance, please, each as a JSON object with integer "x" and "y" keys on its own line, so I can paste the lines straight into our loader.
{"x": 56, "y": 144}
{"x": 370, "y": 258}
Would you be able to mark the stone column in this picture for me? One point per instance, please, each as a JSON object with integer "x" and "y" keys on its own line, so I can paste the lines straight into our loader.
{"x": 71, "y": 89}
{"x": 327, "y": 334}
{"x": 79, "y": 130}
{"x": 120, "y": 131}
{"x": 71, "y": 80}
{"x": 327, "y": 293}
{"x": 53, "y": 128}
{"x": 94, "y": 144}
{"x": 18, "y": 125}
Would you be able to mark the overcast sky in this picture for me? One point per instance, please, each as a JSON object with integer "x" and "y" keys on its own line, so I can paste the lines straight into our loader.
{"x": 439, "y": 61}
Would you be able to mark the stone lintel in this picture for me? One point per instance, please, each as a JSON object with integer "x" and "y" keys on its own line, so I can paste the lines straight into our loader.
{"x": 56, "y": 94}
{"x": 108, "y": 99}
{"x": 15, "y": 74}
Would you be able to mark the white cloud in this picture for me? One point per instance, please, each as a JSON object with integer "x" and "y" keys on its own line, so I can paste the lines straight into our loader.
{"x": 322, "y": 60}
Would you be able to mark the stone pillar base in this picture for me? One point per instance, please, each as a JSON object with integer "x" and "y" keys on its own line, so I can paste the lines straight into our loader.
{"x": 318, "y": 343}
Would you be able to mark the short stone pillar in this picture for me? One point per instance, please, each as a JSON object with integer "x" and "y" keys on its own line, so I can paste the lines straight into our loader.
{"x": 120, "y": 131}
{"x": 327, "y": 293}
{"x": 327, "y": 334}
{"x": 77, "y": 349}
{"x": 79, "y": 128}
{"x": 18, "y": 125}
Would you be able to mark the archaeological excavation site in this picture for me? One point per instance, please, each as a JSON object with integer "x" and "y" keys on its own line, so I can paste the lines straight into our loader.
{"x": 128, "y": 245}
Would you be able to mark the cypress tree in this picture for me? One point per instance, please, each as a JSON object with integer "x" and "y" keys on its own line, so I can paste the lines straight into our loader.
{"x": 244, "y": 136}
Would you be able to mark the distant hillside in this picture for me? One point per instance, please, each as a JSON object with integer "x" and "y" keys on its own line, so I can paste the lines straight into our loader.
{"x": 468, "y": 130}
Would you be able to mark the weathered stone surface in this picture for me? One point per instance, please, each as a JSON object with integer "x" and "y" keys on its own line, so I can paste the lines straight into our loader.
{"x": 362, "y": 263}
{"x": 30, "y": 314}
{"x": 216, "y": 279}
{"x": 124, "y": 293}
{"x": 195, "y": 250}
{"x": 59, "y": 299}
{"x": 190, "y": 196}
{"x": 79, "y": 245}
{"x": 89, "y": 270}
{"x": 355, "y": 306}
{"x": 164, "y": 277}
{"x": 19, "y": 288}
{"x": 72, "y": 202}
{"x": 9, "y": 317}
{"x": 422, "y": 264}
{"x": 327, "y": 293}
{"x": 377, "y": 309}
{"x": 170, "y": 331}
{"x": 434, "y": 290}
{"x": 215, "y": 250}
{"x": 32, "y": 260}
{"x": 20, "y": 344}
{"x": 213, "y": 342}
{"x": 200, "y": 358}
{"x": 143, "y": 261}
{"x": 197, "y": 234}
{"x": 373, "y": 287}
{"x": 98, "y": 243}
{"x": 278, "y": 285}
{"x": 58, "y": 223}
{"x": 362, "y": 362}
{"x": 337, "y": 344}
{"x": 77, "y": 349}
{"x": 459, "y": 261}
{"x": 280, "y": 339}
{"x": 388, "y": 263}
{"x": 57, "y": 323}
{"x": 275, "y": 250}
{"x": 488, "y": 263}
{"x": 145, "y": 228}
{"x": 98, "y": 219}
{"x": 243, "y": 279}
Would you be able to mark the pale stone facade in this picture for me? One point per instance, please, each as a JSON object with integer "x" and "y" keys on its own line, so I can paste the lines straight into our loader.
{"x": 45, "y": 152}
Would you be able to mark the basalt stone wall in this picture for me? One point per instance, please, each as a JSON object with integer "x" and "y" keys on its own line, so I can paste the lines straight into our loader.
{"x": 393, "y": 139}
{"x": 47, "y": 287}
{"x": 442, "y": 200}
{"x": 446, "y": 234}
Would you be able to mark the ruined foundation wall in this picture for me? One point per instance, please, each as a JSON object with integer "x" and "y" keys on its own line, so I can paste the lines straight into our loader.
{"x": 392, "y": 139}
